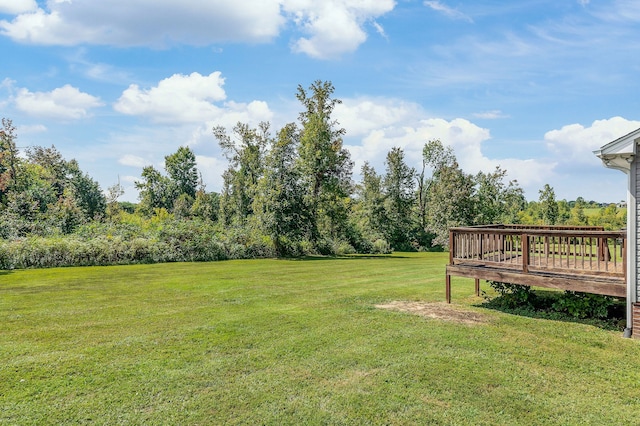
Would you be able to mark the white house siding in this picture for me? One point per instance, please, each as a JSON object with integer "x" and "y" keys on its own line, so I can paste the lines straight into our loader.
{"x": 634, "y": 200}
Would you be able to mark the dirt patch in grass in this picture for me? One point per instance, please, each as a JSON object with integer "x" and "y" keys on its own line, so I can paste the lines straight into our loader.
{"x": 440, "y": 311}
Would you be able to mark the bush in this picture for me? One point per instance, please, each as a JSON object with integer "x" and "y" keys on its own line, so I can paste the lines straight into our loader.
{"x": 513, "y": 295}
{"x": 583, "y": 305}
{"x": 380, "y": 246}
{"x": 569, "y": 303}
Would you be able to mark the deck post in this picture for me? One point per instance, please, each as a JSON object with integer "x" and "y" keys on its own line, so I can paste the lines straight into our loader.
{"x": 478, "y": 287}
{"x": 448, "y": 288}
{"x": 452, "y": 247}
{"x": 525, "y": 253}
{"x": 603, "y": 249}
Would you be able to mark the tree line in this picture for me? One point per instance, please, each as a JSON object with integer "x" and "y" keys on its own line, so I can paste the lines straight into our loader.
{"x": 287, "y": 192}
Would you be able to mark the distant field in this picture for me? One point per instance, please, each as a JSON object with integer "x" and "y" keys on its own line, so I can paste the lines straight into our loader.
{"x": 590, "y": 212}
{"x": 295, "y": 342}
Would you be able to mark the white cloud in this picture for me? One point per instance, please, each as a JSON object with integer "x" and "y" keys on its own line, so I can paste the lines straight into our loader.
{"x": 490, "y": 115}
{"x": 362, "y": 115}
{"x": 333, "y": 27}
{"x": 14, "y": 7}
{"x": 132, "y": 161}
{"x": 179, "y": 98}
{"x": 380, "y": 30}
{"x": 147, "y": 23}
{"x": 447, "y": 11}
{"x": 620, "y": 11}
{"x": 381, "y": 124}
{"x": 66, "y": 102}
{"x": 190, "y": 99}
{"x": 32, "y": 129}
{"x": 97, "y": 71}
{"x": 574, "y": 142}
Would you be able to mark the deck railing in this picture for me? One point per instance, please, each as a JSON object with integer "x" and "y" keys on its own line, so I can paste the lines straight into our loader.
{"x": 574, "y": 250}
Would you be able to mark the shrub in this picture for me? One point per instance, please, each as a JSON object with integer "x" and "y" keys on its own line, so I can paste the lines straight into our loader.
{"x": 569, "y": 303}
{"x": 583, "y": 305}
{"x": 380, "y": 246}
{"x": 513, "y": 295}
{"x": 343, "y": 248}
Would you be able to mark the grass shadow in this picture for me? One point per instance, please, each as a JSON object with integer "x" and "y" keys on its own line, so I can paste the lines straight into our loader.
{"x": 542, "y": 309}
{"x": 344, "y": 257}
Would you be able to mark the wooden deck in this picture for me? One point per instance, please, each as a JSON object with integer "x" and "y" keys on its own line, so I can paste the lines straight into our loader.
{"x": 586, "y": 259}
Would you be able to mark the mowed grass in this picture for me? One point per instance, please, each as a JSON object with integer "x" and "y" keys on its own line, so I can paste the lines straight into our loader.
{"x": 294, "y": 342}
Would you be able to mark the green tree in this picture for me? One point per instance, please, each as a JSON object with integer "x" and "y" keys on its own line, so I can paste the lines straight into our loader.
{"x": 279, "y": 205}
{"x": 55, "y": 168}
{"x": 325, "y": 166}
{"x": 610, "y": 218}
{"x": 155, "y": 191}
{"x": 449, "y": 197}
{"x": 514, "y": 201}
{"x": 182, "y": 170}
{"x": 113, "y": 193}
{"x": 86, "y": 192}
{"x": 496, "y": 201}
{"x": 548, "y": 212}
{"x": 578, "y": 217}
{"x": 245, "y": 152}
{"x": 398, "y": 187}
{"x": 9, "y": 160}
{"x": 371, "y": 202}
{"x": 206, "y": 205}
{"x": 65, "y": 213}
{"x": 564, "y": 212}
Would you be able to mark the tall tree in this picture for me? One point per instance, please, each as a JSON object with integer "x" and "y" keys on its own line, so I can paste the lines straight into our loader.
{"x": 86, "y": 192}
{"x": 398, "y": 187}
{"x": 279, "y": 204}
{"x": 74, "y": 190}
{"x": 325, "y": 165}
{"x": 450, "y": 193}
{"x": 114, "y": 192}
{"x": 55, "y": 167}
{"x": 155, "y": 191}
{"x": 9, "y": 159}
{"x": 245, "y": 150}
{"x": 548, "y": 206}
{"x": 181, "y": 168}
{"x": 371, "y": 201}
{"x": 496, "y": 201}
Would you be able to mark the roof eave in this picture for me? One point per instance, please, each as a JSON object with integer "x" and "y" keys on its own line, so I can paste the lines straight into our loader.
{"x": 620, "y": 153}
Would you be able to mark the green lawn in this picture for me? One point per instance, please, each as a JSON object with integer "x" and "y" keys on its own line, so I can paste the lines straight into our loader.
{"x": 294, "y": 342}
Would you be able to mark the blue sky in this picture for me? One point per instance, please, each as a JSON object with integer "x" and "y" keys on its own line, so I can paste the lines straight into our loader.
{"x": 533, "y": 86}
